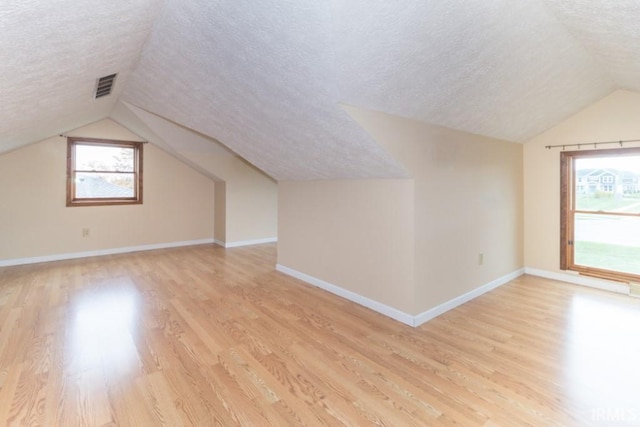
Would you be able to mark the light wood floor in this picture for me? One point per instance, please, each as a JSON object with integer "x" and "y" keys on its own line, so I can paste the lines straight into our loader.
{"x": 206, "y": 336}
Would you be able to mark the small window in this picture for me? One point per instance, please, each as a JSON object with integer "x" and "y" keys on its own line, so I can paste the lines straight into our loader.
{"x": 103, "y": 172}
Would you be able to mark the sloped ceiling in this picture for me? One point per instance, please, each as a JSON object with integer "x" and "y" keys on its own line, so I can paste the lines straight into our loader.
{"x": 51, "y": 54}
{"x": 267, "y": 78}
{"x": 501, "y": 68}
{"x": 609, "y": 30}
{"x": 133, "y": 119}
{"x": 260, "y": 77}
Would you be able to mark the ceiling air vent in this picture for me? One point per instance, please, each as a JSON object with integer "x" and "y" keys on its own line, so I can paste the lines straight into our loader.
{"x": 104, "y": 86}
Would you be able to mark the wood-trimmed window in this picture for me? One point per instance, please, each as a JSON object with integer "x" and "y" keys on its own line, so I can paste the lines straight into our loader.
{"x": 600, "y": 213}
{"x": 103, "y": 172}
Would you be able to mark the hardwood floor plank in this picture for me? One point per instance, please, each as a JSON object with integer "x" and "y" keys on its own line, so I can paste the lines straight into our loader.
{"x": 159, "y": 400}
{"x": 10, "y": 377}
{"x": 206, "y": 336}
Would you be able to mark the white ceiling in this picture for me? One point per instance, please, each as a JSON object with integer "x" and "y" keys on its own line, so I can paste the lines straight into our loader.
{"x": 267, "y": 78}
{"x": 51, "y": 54}
{"x": 610, "y": 31}
{"x": 502, "y": 68}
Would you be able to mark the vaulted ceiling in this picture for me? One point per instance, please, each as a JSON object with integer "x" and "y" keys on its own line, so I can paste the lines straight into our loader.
{"x": 267, "y": 79}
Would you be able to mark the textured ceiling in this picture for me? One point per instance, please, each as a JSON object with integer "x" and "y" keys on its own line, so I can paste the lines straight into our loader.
{"x": 132, "y": 118}
{"x": 501, "y": 68}
{"x": 258, "y": 76}
{"x": 267, "y": 78}
{"x": 610, "y": 30}
{"x": 52, "y": 53}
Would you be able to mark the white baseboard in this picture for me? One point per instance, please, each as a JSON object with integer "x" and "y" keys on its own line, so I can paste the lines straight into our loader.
{"x": 391, "y": 312}
{"x": 75, "y": 255}
{"x": 576, "y": 279}
{"x": 349, "y": 295}
{"x": 457, "y": 301}
{"x": 246, "y": 242}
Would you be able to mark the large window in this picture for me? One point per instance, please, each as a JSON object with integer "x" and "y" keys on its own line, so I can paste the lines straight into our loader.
{"x": 600, "y": 230}
{"x": 103, "y": 172}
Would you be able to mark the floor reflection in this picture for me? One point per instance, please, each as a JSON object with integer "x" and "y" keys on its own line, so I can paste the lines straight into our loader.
{"x": 102, "y": 323}
{"x": 603, "y": 368}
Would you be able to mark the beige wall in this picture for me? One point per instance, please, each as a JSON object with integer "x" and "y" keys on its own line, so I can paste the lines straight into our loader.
{"x": 615, "y": 117}
{"x": 251, "y": 202}
{"x": 220, "y": 223}
{"x": 357, "y": 235}
{"x": 411, "y": 244}
{"x": 247, "y": 209}
{"x": 34, "y": 220}
{"x": 468, "y": 201}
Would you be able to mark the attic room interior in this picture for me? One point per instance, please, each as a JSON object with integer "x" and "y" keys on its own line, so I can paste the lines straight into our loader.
{"x": 319, "y": 213}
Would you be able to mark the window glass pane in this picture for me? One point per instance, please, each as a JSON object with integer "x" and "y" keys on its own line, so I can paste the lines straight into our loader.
{"x": 607, "y": 242}
{"x": 104, "y": 185}
{"x": 610, "y": 184}
{"x": 104, "y": 158}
